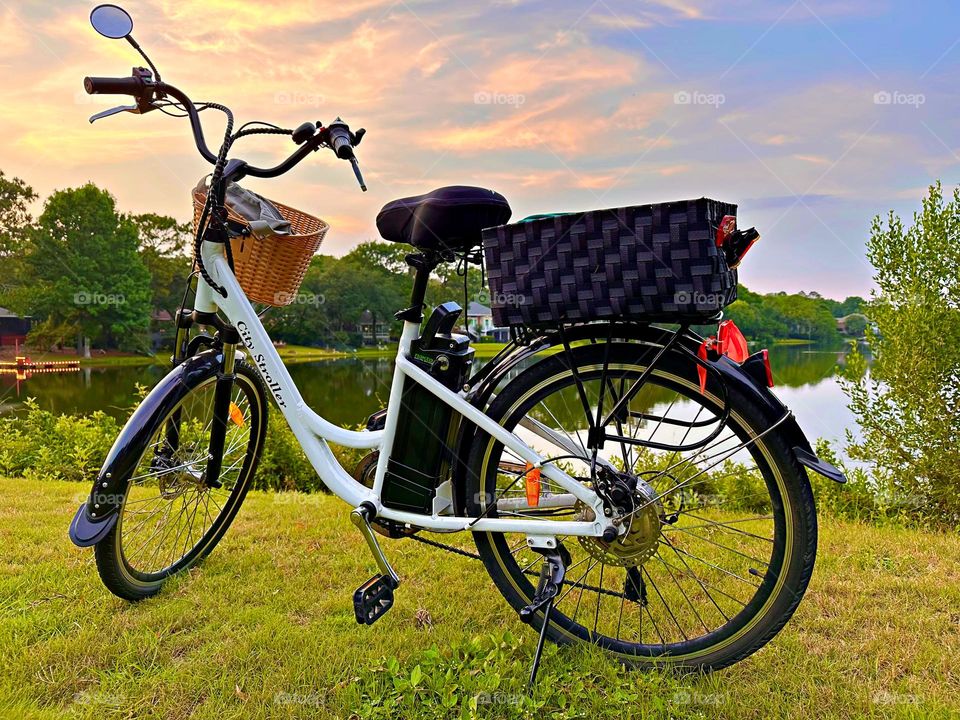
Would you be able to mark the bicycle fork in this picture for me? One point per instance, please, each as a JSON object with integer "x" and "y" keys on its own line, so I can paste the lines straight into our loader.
{"x": 222, "y": 395}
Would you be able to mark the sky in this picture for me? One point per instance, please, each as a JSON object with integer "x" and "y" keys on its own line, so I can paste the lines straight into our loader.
{"x": 813, "y": 115}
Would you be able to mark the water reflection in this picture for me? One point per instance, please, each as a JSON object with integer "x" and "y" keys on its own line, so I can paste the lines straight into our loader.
{"x": 346, "y": 391}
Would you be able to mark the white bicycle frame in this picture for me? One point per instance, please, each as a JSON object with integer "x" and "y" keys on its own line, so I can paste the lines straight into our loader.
{"x": 313, "y": 432}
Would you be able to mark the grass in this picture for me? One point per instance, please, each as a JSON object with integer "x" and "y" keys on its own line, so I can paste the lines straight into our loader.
{"x": 265, "y": 629}
{"x": 297, "y": 353}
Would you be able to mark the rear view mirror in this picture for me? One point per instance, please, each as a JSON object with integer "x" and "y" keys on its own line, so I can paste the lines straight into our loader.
{"x": 111, "y": 21}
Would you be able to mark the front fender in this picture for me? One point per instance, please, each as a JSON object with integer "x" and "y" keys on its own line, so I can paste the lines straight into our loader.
{"x": 94, "y": 518}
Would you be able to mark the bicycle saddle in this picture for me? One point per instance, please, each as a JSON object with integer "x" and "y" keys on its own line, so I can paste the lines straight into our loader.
{"x": 448, "y": 218}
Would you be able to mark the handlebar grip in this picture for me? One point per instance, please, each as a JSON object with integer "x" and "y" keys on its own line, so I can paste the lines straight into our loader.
{"x": 340, "y": 142}
{"x": 113, "y": 86}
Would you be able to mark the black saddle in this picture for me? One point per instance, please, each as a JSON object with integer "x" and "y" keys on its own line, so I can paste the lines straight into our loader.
{"x": 446, "y": 219}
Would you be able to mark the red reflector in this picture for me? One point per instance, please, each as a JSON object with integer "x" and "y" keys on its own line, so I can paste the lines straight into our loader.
{"x": 766, "y": 366}
{"x": 701, "y": 370}
{"x": 732, "y": 342}
{"x": 726, "y": 228}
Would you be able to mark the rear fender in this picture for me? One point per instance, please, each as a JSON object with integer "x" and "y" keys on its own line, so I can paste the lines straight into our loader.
{"x": 94, "y": 518}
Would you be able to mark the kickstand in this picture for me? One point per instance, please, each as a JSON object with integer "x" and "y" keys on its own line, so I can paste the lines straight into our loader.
{"x": 551, "y": 579}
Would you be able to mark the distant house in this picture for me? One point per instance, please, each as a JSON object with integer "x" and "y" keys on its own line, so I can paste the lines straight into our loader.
{"x": 852, "y": 324}
{"x": 373, "y": 333}
{"x": 161, "y": 329}
{"x": 13, "y": 328}
{"x": 480, "y": 324}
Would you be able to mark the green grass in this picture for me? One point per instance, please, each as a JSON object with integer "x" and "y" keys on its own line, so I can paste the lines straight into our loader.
{"x": 294, "y": 353}
{"x": 265, "y": 629}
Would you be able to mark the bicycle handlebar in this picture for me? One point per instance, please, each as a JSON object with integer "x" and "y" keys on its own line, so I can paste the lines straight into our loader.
{"x": 337, "y": 136}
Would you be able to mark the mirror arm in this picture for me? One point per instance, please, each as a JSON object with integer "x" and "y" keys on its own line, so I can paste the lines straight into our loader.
{"x": 136, "y": 46}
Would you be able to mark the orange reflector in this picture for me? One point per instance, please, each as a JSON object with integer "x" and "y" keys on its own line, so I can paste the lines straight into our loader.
{"x": 532, "y": 481}
{"x": 235, "y": 415}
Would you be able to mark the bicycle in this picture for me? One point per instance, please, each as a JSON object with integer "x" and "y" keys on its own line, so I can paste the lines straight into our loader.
{"x": 641, "y": 474}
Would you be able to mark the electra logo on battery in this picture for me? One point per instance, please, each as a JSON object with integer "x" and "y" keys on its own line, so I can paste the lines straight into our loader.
{"x": 261, "y": 362}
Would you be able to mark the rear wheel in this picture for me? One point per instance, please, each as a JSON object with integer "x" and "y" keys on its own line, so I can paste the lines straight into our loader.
{"x": 721, "y": 537}
{"x": 171, "y": 518}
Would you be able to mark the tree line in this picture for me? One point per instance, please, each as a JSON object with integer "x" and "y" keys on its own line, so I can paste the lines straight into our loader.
{"x": 90, "y": 275}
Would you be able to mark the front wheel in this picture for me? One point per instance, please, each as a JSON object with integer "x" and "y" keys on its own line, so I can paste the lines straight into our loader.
{"x": 171, "y": 518}
{"x": 721, "y": 537}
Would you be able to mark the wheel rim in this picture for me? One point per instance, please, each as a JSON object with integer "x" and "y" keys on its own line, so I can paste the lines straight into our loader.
{"x": 169, "y": 513}
{"x": 713, "y": 571}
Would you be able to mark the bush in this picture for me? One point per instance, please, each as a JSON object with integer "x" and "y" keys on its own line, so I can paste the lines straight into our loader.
{"x": 907, "y": 405}
{"x": 36, "y": 443}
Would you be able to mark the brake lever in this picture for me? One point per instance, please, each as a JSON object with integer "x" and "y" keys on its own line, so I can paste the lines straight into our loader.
{"x": 356, "y": 171}
{"x": 114, "y": 111}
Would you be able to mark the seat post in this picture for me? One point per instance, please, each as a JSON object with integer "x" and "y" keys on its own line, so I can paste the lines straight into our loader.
{"x": 424, "y": 263}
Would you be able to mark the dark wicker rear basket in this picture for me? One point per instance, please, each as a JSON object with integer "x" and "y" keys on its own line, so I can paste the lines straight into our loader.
{"x": 648, "y": 262}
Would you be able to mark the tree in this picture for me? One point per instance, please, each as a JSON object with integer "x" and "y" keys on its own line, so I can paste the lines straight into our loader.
{"x": 15, "y": 224}
{"x": 855, "y": 324}
{"x": 166, "y": 249}
{"x": 15, "y": 219}
{"x": 83, "y": 270}
{"x": 908, "y": 404}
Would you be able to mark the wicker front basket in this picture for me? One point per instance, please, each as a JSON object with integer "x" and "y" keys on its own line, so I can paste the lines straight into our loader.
{"x": 270, "y": 271}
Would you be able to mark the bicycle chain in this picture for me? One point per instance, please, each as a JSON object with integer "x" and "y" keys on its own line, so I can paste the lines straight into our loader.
{"x": 533, "y": 573}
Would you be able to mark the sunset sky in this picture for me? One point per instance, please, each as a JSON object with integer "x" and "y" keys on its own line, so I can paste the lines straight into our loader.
{"x": 812, "y": 115}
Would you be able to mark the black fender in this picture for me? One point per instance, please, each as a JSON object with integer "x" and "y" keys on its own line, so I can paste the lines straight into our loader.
{"x": 95, "y": 517}
{"x": 748, "y": 378}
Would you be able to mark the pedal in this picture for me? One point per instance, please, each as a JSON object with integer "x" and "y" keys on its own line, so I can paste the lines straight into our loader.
{"x": 375, "y": 596}
{"x": 372, "y": 599}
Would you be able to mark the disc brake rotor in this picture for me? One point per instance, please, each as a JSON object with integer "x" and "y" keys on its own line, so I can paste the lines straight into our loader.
{"x": 639, "y": 543}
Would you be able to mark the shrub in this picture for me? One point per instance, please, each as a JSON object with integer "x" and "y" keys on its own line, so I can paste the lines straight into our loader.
{"x": 907, "y": 405}
{"x": 36, "y": 443}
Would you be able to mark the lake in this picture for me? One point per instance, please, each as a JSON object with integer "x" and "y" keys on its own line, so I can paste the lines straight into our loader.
{"x": 346, "y": 391}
